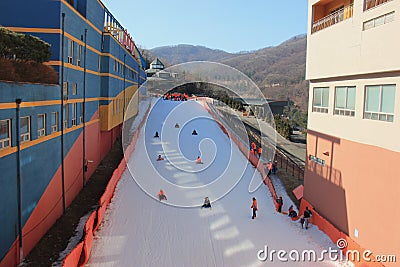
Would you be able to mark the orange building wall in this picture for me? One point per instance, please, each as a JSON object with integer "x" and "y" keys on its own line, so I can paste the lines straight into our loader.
{"x": 357, "y": 188}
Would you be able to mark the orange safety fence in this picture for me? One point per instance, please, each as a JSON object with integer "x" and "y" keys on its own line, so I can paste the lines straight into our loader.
{"x": 253, "y": 159}
{"x": 88, "y": 239}
{"x": 324, "y": 225}
{"x": 335, "y": 235}
{"x": 79, "y": 256}
{"x": 74, "y": 256}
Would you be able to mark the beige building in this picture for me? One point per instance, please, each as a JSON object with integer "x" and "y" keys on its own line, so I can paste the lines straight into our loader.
{"x": 352, "y": 173}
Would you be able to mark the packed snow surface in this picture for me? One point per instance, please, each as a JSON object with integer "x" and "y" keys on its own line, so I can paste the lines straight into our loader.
{"x": 139, "y": 230}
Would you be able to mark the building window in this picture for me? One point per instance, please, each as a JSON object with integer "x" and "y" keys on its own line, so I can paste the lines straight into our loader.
{"x": 73, "y": 110}
{"x": 79, "y": 56}
{"x": 81, "y": 116}
{"x": 74, "y": 90}
{"x": 98, "y": 63}
{"x": 70, "y": 51}
{"x": 384, "y": 19}
{"x": 25, "y": 129}
{"x": 116, "y": 106}
{"x": 373, "y": 3}
{"x": 65, "y": 114}
{"x": 379, "y": 102}
{"x": 65, "y": 88}
{"x": 345, "y": 100}
{"x": 41, "y": 125}
{"x": 321, "y": 99}
{"x": 5, "y": 133}
{"x": 115, "y": 65}
{"x": 54, "y": 122}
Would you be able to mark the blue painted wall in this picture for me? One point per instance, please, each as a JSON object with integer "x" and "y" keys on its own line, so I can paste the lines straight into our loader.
{"x": 40, "y": 162}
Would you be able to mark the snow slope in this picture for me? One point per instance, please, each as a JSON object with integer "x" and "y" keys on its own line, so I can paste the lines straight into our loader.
{"x": 138, "y": 230}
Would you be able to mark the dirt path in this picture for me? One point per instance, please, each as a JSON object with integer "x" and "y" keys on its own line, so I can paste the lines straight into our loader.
{"x": 56, "y": 239}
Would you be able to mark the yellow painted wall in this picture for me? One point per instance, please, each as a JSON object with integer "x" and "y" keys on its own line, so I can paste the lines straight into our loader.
{"x": 111, "y": 115}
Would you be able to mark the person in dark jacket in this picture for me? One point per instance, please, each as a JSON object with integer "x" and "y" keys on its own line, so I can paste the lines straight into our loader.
{"x": 279, "y": 202}
{"x": 307, "y": 215}
{"x": 207, "y": 203}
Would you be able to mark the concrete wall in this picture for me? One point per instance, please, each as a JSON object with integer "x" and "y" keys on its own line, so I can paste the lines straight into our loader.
{"x": 345, "y": 49}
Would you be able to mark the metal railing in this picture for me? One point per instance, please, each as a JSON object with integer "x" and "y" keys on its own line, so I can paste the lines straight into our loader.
{"x": 368, "y": 4}
{"x": 235, "y": 125}
{"x": 285, "y": 163}
{"x": 332, "y": 19}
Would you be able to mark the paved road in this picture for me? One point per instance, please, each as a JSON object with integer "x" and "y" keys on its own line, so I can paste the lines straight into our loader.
{"x": 296, "y": 151}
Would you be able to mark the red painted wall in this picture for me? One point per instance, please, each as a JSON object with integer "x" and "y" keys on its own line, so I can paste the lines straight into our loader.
{"x": 358, "y": 188}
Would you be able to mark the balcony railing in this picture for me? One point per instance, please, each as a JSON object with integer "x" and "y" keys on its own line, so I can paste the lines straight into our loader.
{"x": 112, "y": 26}
{"x": 332, "y": 19}
{"x": 373, "y": 3}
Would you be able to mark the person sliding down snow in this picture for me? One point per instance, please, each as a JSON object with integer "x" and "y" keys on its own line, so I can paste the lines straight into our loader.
{"x": 207, "y": 203}
{"x": 160, "y": 158}
{"x": 156, "y": 134}
{"x": 198, "y": 160}
{"x": 161, "y": 195}
{"x": 194, "y": 132}
{"x": 176, "y": 125}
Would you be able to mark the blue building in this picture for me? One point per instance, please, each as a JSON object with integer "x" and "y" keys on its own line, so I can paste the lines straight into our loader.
{"x": 64, "y": 130}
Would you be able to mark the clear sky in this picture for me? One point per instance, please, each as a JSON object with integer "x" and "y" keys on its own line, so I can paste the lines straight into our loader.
{"x": 230, "y": 25}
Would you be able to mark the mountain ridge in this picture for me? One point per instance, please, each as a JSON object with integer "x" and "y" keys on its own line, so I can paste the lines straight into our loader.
{"x": 279, "y": 71}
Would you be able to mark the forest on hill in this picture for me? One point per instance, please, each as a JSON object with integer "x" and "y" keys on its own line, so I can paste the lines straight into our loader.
{"x": 278, "y": 71}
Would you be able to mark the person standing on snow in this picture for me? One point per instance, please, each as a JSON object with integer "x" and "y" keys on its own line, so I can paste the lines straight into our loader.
{"x": 254, "y": 206}
{"x": 259, "y": 151}
{"x": 253, "y": 146}
{"x": 279, "y": 202}
{"x": 307, "y": 215}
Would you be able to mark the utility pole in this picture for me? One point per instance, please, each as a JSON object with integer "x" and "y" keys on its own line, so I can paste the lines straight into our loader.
{"x": 62, "y": 112}
{"x": 19, "y": 193}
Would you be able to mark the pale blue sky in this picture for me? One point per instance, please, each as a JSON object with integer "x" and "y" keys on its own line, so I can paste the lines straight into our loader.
{"x": 233, "y": 26}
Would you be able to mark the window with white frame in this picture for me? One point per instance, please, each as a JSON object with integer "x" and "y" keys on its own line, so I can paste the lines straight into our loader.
{"x": 41, "y": 118}
{"x": 81, "y": 116}
{"x": 345, "y": 100}
{"x": 378, "y": 21}
{"x": 73, "y": 115}
{"x": 379, "y": 102}
{"x": 5, "y": 133}
{"x": 70, "y": 51}
{"x": 65, "y": 88}
{"x": 65, "y": 114}
{"x": 321, "y": 99}
{"x": 79, "y": 56}
{"x": 25, "y": 129}
{"x": 54, "y": 122}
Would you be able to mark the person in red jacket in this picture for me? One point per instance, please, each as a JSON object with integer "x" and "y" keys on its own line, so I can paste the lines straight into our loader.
{"x": 269, "y": 167}
{"x": 254, "y": 206}
{"x": 198, "y": 160}
{"x": 259, "y": 151}
{"x": 253, "y": 145}
{"x": 161, "y": 195}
